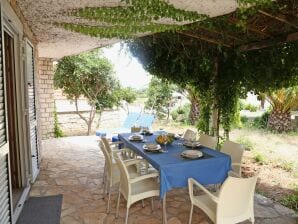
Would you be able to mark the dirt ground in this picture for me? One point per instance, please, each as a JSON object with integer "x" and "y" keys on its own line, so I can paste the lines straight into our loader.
{"x": 273, "y": 156}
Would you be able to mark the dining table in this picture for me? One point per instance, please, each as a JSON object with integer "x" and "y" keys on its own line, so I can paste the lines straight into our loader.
{"x": 175, "y": 170}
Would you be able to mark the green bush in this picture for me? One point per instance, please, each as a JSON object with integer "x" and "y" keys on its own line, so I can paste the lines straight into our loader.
{"x": 251, "y": 108}
{"x": 247, "y": 106}
{"x": 57, "y": 130}
{"x": 261, "y": 122}
{"x": 181, "y": 113}
{"x": 244, "y": 120}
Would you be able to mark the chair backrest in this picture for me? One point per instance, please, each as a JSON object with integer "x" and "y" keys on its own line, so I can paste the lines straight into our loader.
{"x": 145, "y": 120}
{"x": 130, "y": 120}
{"x": 208, "y": 141}
{"x": 233, "y": 149}
{"x": 108, "y": 158}
{"x": 189, "y": 135}
{"x": 107, "y": 146}
{"x": 124, "y": 176}
{"x": 236, "y": 197}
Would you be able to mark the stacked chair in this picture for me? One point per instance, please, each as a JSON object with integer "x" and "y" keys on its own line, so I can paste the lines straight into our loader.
{"x": 135, "y": 189}
{"x": 112, "y": 173}
{"x": 236, "y": 152}
{"x": 189, "y": 135}
{"x": 208, "y": 141}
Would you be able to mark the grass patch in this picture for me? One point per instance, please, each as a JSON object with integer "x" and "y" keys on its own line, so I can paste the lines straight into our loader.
{"x": 247, "y": 143}
{"x": 259, "y": 158}
{"x": 290, "y": 201}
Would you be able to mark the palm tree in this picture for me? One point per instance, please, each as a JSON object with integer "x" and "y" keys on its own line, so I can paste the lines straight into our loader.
{"x": 282, "y": 102}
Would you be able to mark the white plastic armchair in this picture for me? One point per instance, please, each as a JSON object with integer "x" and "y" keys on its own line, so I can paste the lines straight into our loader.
{"x": 189, "y": 135}
{"x": 236, "y": 152}
{"x": 113, "y": 146}
{"x": 232, "y": 204}
{"x": 112, "y": 173}
{"x": 208, "y": 141}
{"x": 134, "y": 189}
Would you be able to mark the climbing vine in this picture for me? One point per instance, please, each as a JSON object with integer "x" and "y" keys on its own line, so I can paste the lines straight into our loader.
{"x": 176, "y": 59}
{"x": 132, "y": 18}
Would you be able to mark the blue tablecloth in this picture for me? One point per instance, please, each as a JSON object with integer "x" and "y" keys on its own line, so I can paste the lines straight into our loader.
{"x": 174, "y": 170}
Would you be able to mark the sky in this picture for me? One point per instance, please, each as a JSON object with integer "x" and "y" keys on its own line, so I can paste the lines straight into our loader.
{"x": 128, "y": 70}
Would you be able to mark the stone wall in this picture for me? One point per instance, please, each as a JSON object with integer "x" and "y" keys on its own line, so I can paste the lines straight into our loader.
{"x": 71, "y": 124}
{"x": 46, "y": 97}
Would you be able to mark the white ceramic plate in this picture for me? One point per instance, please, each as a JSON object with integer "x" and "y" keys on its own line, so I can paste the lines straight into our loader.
{"x": 192, "y": 154}
{"x": 151, "y": 148}
{"x": 135, "y": 138}
{"x": 191, "y": 144}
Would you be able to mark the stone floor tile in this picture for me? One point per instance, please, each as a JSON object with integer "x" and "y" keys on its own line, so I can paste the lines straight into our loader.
{"x": 73, "y": 167}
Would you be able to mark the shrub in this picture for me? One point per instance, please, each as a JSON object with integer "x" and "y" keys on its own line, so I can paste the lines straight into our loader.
{"x": 250, "y": 107}
{"x": 261, "y": 122}
{"x": 181, "y": 113}
{"x": 244, "y": 120}
{"x": 57, "y": 130}
{"x": 247, "y": 106}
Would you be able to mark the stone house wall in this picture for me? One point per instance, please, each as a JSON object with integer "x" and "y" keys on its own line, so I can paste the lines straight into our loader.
{"x": 46, "y": 97}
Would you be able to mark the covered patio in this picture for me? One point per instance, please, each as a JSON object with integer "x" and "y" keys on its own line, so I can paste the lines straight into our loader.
{"x": 73, "y": 167}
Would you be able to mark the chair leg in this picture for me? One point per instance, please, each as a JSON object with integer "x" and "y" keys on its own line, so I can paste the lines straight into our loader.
{"x": 118, "y": 204}
{"x": 104, "y": 174}
{"x": 107, "y": 182}
{"x": 143, "y": 204}
{"x": 109, "y": 198}
{"x": 152, "y": 204}
{"x": 190, "y": 215}
{"x": 126, "y": 217}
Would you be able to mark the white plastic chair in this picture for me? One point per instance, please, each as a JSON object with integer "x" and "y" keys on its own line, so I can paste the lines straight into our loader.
{"x": 112, "y": 173}
{"x": 236, "y": 152}
{"x": 135, "y": 189}
{"x": 233, "y": 203}
{"x": 208, "y": 141}
{"x": 189, "y": 135}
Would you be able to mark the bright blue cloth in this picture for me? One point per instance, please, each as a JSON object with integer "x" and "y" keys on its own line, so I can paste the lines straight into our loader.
{"x": 174, "y": 170}
{"x": 145, "y": 120}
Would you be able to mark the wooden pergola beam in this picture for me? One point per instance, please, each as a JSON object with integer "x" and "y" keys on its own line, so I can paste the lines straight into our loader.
{"x": 207, "y": 39}
{"x": 220, "y": 33}
{"x": 278, "y": 17}
{"x": 268, "y": 43}
{"x": 253, "y": 29}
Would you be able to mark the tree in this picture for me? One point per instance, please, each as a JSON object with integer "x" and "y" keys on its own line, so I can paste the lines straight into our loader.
{"x": 282, "y": 102}
{"x": 127, "y": 95}
{"x": 88, "y": 75}
{"x": 159, "y": 97}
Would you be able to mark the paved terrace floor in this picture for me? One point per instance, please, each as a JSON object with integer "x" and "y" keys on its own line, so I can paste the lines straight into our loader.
{"x": 73, "y": 167}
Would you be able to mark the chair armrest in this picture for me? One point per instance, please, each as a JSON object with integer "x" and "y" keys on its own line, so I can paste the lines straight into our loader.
{"x": 116, "y": 143}
{"x": 192, "y": 182}
{"x": 130, "y": 162}
{"x": 234, "y": 174}
{"x": 143, "y": 177}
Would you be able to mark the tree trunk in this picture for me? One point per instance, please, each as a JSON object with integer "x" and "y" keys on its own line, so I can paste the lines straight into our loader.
{"x": 279, "y": 121}
{"x": 194, "y": 112}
